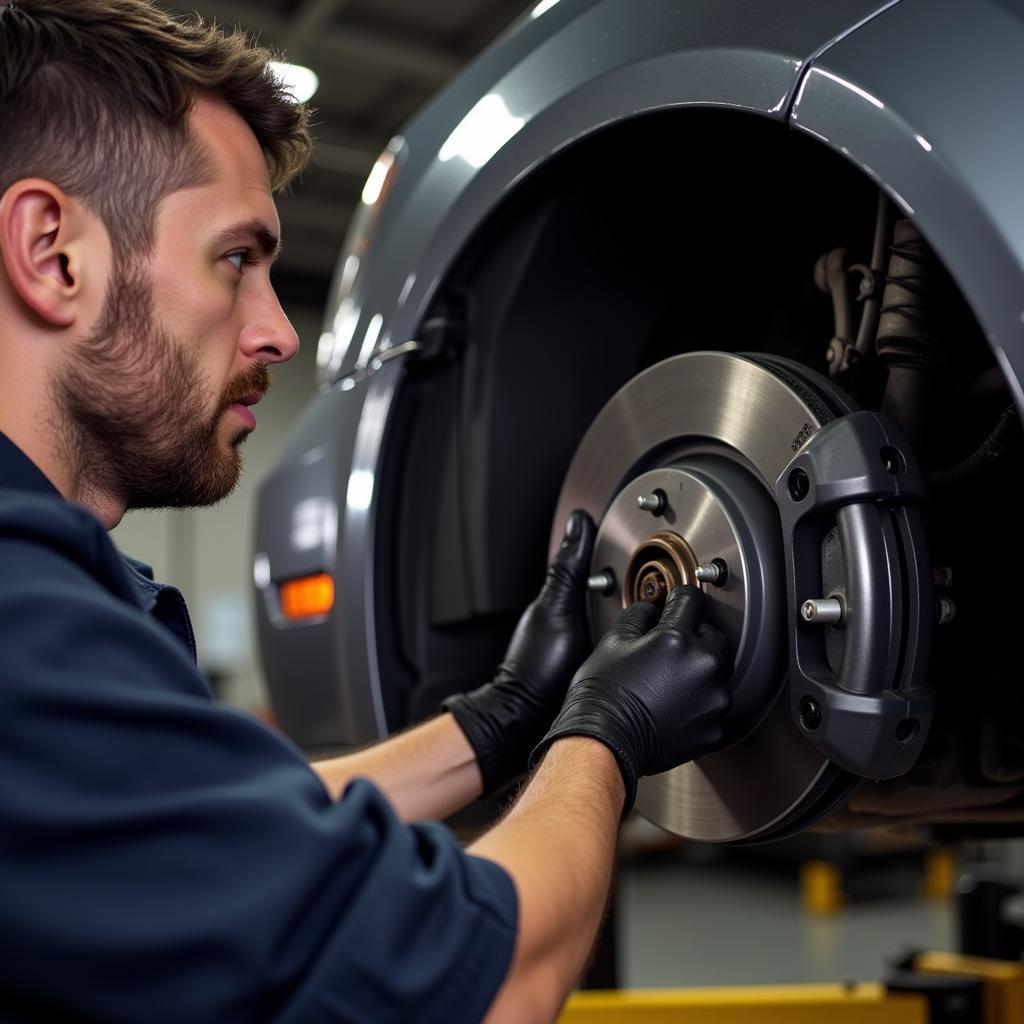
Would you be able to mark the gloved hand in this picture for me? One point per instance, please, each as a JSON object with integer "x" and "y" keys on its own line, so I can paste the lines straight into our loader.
{"x": 505, "y": 718}
{"x": 652, "y": 691}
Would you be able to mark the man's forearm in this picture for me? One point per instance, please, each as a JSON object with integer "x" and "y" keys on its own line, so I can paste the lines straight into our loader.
{"x": 558, "y": 843}
{"x": 427, "y": 772}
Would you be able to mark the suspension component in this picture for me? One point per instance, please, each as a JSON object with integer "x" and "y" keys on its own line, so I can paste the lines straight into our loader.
{"x": 905, "y": 344}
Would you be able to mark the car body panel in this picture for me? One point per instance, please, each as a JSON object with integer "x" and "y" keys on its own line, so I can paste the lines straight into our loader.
{"x": 550, "y": 82}
{"x": 559, "y": 77}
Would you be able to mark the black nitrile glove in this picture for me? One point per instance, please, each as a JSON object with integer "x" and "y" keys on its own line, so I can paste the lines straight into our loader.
{"x": 653, "y": 691}
{"x": 505, "y": 718}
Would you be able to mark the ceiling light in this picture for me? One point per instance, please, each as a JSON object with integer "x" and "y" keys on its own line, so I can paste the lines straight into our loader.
{"x": 301, "y": 82}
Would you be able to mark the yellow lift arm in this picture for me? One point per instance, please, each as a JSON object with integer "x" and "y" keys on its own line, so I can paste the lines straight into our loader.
{"x": 1002, "y": 984}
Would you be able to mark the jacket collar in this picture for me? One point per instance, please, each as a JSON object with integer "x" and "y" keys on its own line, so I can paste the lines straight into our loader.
{"x": 18, "y": 472}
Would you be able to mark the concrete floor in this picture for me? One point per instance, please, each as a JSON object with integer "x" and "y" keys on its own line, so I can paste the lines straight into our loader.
{"x": 683, "y": 924}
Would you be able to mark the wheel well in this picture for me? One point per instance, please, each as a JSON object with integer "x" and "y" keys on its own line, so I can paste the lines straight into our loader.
{"x": 679, "y": 231}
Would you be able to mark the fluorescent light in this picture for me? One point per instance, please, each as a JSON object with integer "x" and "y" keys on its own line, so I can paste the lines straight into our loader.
{"x": 301, "y": 82}
{"x": 482, "y": 132}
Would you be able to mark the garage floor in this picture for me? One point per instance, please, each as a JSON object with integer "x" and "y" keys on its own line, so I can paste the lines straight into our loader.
{"x": 684, "y": 924}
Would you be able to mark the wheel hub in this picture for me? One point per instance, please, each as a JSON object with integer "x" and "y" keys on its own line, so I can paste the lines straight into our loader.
{"x": 660, "y": 564}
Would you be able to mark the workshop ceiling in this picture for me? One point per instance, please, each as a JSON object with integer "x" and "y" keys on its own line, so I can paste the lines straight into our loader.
{"x": 378, "y": 61}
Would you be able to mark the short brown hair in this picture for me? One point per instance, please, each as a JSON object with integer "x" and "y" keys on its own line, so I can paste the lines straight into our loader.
{"x": 95, "y": 97}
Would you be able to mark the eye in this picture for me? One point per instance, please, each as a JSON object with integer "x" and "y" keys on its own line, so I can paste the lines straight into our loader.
{"x": 243, "y": 257}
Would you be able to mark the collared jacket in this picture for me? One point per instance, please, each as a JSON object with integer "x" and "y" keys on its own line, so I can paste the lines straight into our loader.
{"x": 167, "y": 858}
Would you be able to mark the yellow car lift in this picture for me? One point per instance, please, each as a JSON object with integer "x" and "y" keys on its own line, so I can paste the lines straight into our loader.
{"x": 1002, "y": 986}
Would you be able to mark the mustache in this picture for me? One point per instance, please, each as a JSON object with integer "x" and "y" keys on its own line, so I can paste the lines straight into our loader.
{"x": 255, "y": 380}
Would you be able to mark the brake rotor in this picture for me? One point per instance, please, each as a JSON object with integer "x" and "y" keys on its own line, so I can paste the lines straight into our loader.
{"x": 710, "y": 433}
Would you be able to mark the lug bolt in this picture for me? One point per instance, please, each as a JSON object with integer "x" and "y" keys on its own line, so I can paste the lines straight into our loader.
{"x": 602, "y": 582}
{"x": 943, "y": 576}
{"x": 945, "y": 611}
{"x": 822, "y": 611}
{"x": 654, "y": 503}
{"x": 715, "y": 573}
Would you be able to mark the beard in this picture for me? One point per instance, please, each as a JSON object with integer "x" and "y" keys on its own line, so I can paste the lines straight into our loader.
{"x": 134, "y": 410}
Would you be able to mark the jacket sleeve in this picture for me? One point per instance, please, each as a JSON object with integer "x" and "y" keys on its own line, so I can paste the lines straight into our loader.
{"x": 166, "y": 858}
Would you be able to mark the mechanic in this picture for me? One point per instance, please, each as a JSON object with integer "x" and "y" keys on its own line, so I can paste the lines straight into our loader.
{"x": 165, "y": 857}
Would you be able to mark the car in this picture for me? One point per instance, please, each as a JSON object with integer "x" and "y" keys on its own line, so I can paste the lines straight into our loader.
{"x": 746, "y": 283}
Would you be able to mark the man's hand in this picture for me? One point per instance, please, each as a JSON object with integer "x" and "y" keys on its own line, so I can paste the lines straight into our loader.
{"x": 652, "y": 691}
{"x": 504, "y": 719}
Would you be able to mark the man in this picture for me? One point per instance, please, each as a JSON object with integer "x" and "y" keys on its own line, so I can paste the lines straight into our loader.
{"x": 162, "y": 857}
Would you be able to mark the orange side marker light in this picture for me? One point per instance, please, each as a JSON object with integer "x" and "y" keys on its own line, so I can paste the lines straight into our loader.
{"x": 307, "y": 596}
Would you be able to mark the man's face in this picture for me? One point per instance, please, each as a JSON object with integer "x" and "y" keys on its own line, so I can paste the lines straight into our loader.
{"x": 157, "y": 397}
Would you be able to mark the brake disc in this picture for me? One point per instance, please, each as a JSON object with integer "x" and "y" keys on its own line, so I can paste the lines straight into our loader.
{"x": 707, "y": 440}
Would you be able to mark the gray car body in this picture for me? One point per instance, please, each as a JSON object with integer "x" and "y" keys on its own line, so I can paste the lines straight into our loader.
{"x": 917, "y": 93}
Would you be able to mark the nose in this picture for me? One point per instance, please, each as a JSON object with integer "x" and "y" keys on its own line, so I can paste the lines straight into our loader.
{"x": 268, "y": 335}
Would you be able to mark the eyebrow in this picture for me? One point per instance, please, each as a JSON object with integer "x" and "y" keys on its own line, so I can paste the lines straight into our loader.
{"x": 266, "y": 241}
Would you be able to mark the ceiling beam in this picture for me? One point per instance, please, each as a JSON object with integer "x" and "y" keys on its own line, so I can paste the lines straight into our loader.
{"x": 311, "y": 17}
{"x": 427, "y": 65}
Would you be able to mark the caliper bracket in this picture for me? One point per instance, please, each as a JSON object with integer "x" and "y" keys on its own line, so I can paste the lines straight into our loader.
{"x": 870, "y": 713}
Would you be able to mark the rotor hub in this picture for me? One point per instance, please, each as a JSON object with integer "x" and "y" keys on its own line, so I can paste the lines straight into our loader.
{"x": 712, "y": 509}
{"x": 660, "y": 563}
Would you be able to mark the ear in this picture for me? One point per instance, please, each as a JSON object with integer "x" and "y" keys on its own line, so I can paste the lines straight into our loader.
{"x": 44, "y": 236}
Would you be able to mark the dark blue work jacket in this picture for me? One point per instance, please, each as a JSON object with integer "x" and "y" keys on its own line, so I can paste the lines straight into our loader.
{"x": 164, "y": 857}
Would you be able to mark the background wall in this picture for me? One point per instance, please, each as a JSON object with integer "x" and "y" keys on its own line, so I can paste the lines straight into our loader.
{"x": 207, "y": 553}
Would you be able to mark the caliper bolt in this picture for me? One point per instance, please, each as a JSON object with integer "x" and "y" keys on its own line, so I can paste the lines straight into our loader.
{"x": 822, "y": 611}
{"x": 810, "y": 714}
{"x": 602, "y": 582}
{"x": 715, "y": 572}
{"x": 654, "y": 503}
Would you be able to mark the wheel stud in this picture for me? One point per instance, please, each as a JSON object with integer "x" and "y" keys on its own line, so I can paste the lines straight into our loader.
{"x": 602, "y": 582}
{"x": 655, "y": 503}
{"x": 715, "y": 573}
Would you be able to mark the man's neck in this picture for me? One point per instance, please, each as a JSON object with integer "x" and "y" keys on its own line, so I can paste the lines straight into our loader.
{"x": 40, "y": 443}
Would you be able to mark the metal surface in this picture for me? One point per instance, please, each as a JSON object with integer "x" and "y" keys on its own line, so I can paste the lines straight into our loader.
{"x": 653, "y": 503}
{"x": 824, "y": 611}
{"x": 864, "y": 1003}
{"x": 920, "y": 99}
{"x": 699, "y": 411}
{"x": 715, "y": 573}
{"x": 659, "y": 564}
